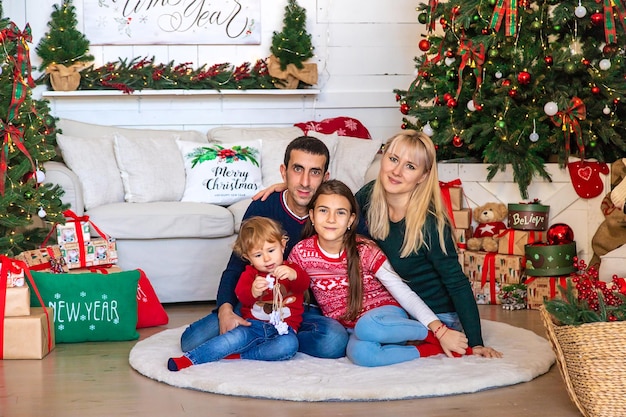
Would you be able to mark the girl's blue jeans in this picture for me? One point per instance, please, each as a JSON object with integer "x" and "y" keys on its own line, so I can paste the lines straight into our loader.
{"x": 259, "y": 341}
{"x": 379, "y": 337}
{"x": 318, "y": 336}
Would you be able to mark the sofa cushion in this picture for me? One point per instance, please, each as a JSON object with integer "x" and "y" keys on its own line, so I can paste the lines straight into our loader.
{"x": 163, "y": 220}
{"x": 221, "y": 173}
{"x": 92, "y": 159}
{"x": 152, "y": 169}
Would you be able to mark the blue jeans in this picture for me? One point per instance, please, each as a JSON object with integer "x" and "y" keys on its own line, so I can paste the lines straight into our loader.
{"x": 259, "y": 341}
{"x": 379, "y": 337}
{"x": 318, "y": 336}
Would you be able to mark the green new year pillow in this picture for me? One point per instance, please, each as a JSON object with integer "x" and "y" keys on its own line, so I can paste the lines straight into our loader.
{"x": 90, "y": 307}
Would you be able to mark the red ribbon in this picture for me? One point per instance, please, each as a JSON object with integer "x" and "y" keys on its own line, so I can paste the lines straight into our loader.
{"x": 489, "y": 274}
{"x": 432, "y": 12}
{"x": 22, "y": 66}
{"x": 610, "y": 33}
{"x": 508, "y": 8}
{"x": 8, "y": 265}
{"x": 568, "y": 121}
{"x": 469, "y": 54}
{"x": 445, "y": 195}
{"x": 11, "y": 135}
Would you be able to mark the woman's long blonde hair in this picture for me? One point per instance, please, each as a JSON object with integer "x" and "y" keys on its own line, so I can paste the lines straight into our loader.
{"x": 425, "y": 198}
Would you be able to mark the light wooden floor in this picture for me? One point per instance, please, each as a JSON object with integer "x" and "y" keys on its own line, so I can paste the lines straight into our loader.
{"x": 94, "y": 379}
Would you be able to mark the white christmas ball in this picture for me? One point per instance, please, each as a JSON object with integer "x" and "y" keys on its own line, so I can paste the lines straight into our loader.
{"x": 498, "y": 74}
{"x": 604, "y": 64}
{"x": 449, "y": 60}
{"x": 471, "y": 106}
{"x": 534, "y": 137}
{"x": 42, "y": 213}
{"x": 606, "y": 110}
{"x": 551, "y": 108}
{"x": 580, "y": 11}
{"x": 428, "y": 130}
{"x": 41, "y": 176}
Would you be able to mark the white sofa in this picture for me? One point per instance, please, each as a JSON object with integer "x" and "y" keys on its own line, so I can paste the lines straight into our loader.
{"x": 130, "y": 182}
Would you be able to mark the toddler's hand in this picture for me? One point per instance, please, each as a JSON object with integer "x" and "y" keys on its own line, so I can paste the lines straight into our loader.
{"x": 285, "y": 272}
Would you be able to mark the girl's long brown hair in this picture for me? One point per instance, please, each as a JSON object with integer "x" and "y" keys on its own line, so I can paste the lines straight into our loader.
{"x": 350, "y": 244}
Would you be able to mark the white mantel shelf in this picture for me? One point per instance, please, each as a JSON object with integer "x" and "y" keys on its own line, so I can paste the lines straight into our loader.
{"x": 180, "y": 92}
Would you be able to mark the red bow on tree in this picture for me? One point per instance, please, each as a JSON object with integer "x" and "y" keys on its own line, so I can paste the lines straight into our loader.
{"x": 568, "y": 121}
{"x": 504, "y": 8}
{"x": 475, "y": 56}
{"x": 10, "y": 135}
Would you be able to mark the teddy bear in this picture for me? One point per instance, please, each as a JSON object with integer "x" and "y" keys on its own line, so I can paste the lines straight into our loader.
{"x": 611, "y": 233}
{"x": 490, "y": 218}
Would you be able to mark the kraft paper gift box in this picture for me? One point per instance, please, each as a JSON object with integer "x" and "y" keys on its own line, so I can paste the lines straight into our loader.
{"x": 29, "y": 337}
{"x": 48, "y": 259}
{"x": 17, "y": 302}
{"x": 462, "y": 218}
{"x": 452, "y": 193}
{"x": 512, "y": 242}
{"x": 98, "y": 251}
{"x": 487, "y": 293}
{"x": 485, "y": 266}
{"x": 15, "y": 279}
{"x": 69, "y": 232}
{"x": 540, "y": 289}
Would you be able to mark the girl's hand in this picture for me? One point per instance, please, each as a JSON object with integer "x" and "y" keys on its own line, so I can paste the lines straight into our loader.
{"x": 263, "y": 194}
{"x": 285, "y": 272}
{"x": 452, "y": 341}
{"x": 259, "y": 285}
{"x": 486, "y": 352}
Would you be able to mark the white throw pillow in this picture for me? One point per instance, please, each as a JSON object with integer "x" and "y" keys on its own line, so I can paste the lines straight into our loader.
{"x": 221, "y": 173}
{"x": 152, "y": 169}
{"x": 93, "y": 160}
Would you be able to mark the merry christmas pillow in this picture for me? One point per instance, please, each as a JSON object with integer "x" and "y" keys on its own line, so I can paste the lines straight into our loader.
{"x": 90, "y": 307}
{"x": 221, "y": 173}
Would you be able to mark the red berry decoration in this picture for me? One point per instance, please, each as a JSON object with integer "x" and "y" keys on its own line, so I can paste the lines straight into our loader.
{"x": 597, "y": 19}
{"x": 523, "y": 78}
{"x": 452, "y": 103}
{"x": 560, "y": 234}
{"x": 609, "y": 49}
{"x": 424, "y": 45}
{"x": 548, "y": 60}
{"x": 457, "y": 141}
{"x": 404, "y": 108}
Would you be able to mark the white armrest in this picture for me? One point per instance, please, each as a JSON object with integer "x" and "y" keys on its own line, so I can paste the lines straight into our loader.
{"x": 59, "y": 174}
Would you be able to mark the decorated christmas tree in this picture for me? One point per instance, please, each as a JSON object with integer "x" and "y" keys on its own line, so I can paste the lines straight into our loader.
{"x": 27, "y": 133}
{"x": 293, "y": 44}
{"x": 520, "y": 82}
{"x": 63, "y": 43}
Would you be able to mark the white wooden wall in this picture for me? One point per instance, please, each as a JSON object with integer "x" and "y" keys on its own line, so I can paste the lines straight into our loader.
{"x": 364, "y": 49}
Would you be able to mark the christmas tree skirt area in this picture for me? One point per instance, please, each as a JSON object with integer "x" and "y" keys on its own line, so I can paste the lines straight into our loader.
{"x": 305, "y": 378}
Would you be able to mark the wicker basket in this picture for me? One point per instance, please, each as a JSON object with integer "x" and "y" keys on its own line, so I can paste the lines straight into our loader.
{"x": 592, "y": 361}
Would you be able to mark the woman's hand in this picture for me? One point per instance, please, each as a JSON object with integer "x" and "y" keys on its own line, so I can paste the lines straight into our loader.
{"x": 452, "y": 341}
{"x": 486, "y": 352}
{"x": 263, "y": 194}
{"x": 228, "y": 319}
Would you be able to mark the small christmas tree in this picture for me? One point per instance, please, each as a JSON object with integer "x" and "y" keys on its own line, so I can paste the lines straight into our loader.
{"x": 63, "y": 43}
{"x": 520, "y": 82}
{"x": 292, "y": 45}
{"x": 27, "y": 133}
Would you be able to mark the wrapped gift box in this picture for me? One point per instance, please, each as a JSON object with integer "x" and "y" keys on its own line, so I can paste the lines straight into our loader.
{"x": 512, "y": 242}
{"x": 540, "y": 289}
{"x": 485, "y": 266}
{"x": 452, "y": 194}
{"x": 543, "y": 260}
{"x": 528, "y": 216}
{"x": 17, "y": 302}
{"x": 29, "y": 337}
{"x": 98, "y": 251}
{"x": 103, "y": 269}
{"x": 48, "y": 259}
{"x": 462, "y": 218}
{"x": 15, "y": 279}
{"x": 69, "y": 232}
{"x": 461, "y": 236}
{"x": 487, "y": 293}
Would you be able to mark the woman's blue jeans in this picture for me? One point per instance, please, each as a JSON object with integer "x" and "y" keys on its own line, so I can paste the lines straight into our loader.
{"x": 259, "y": 341}
{"x": 379, "y": 337}
{"x": 318, "y": 336}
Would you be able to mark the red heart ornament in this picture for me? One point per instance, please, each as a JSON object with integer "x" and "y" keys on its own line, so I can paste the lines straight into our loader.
{"x": 585, "y": 173}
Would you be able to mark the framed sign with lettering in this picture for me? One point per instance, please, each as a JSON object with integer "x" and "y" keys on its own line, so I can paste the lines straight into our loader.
{"x": 173, "y": 22}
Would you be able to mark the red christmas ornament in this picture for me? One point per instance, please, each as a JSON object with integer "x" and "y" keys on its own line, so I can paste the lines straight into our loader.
{"x": 548, "y": 60}
{"x": 424, "y": 45}
{"x": 560, "y": 234}
{"x": 506, "y": 83}
{"x": 478, "y": 107}
{"x": 616, "y": 101}
{"x": 447, "y": 97}
{"x": 609, "y": 49}
{"x": 456, "y": 10}
{"x": 513, "y": 93}
{"x": 29, "y": 176}
{"x": 398, "y": 97}
{"x": 404, "y": 108}
{"x": 403, "y": 126}
{"x": 450, "y": 53}
{"x": 586, "y": 62}
{"x": 595, "y": 89}
{"x": 523, "y": 78}
{"x": 457, "y": 141}
{"x": 485, "y": 31}
{"x": 436, "y": 101}
{"x": 597, "y": 19}
{"x": 452, "y": 103}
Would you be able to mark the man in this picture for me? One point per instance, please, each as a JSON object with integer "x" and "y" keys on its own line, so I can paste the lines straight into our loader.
{"x": 305, "y": 167}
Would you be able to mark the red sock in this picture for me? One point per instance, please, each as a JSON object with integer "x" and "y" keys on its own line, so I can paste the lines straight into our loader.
{"x": 233, "y": 356}
{"x": 176, "y": 364}
{"x": 432, "y": 346}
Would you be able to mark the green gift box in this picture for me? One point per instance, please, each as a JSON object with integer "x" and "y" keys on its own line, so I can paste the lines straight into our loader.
{"x": 544, "y": 260}
{"x": 533, "y": 216}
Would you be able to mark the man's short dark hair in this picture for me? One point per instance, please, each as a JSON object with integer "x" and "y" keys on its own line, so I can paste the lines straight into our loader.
{"x": 308, "y": 144}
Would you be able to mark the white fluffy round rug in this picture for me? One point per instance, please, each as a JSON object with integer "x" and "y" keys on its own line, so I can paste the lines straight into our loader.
{"x": 305, "y": 378}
